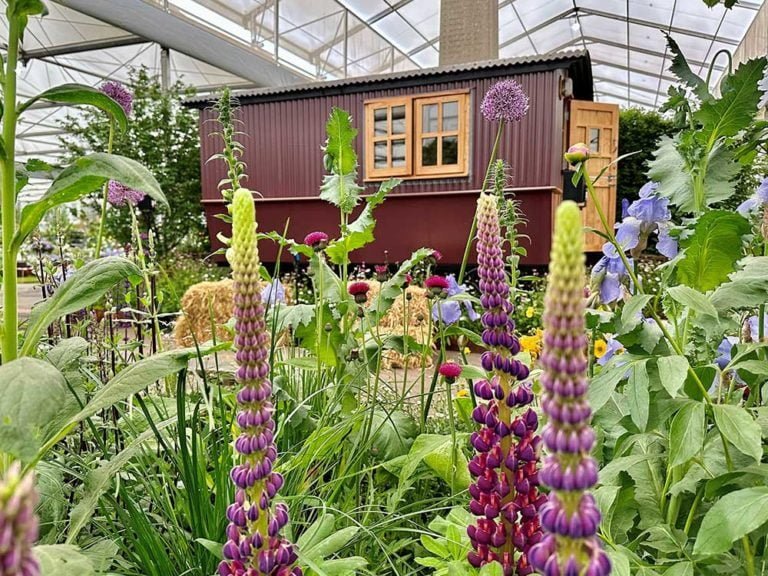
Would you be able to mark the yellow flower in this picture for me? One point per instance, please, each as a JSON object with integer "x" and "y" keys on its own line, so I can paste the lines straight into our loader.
{"x": 600, "y": 348}
{"x": 463, "y": 393}
{"x": 467, "y": 350}
{"x": 531, "y": 344}
{"x": 530, "y": 311}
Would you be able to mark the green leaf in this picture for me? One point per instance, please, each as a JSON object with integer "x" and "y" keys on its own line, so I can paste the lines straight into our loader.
{"x": 67, "y": 352}
{"x": 340, "y": 141}
{"x": 638, "y": 395}
{"x": 341, "y": 190}
{"x": 746, "y": 288}
{"x": 737, "y": 106}
{"x": 680, "y": 569}
{"x": 492, "y": 569}
{"x": 393, "y": 288}
{"x": 673, "y": 371}
{"x": 733, "y": 516}
{"x": 83, "y": 288}
{"x": 31, "y": 394}
{"x": 675, "y": 174}
{"x": 435, "y": 451}
{"x": 603, "y": 385}
{"x": 360, "y": 232}
{"x": 100, "y": 479}
{"x": 24, "y": 8}
{"x": 318, "y": 531}
{"x": 631, "y": 313}
{"x": 682, "y": 70}
{"x": 686, "y": 436}
{"x": 84, "y": 176}
{"x": 739, "y": 428}
{"x": 712, "y": 250}
{"x": 695, "y": 300}
{"x": 76, "y": 94}
{"x": 63, "y": 560}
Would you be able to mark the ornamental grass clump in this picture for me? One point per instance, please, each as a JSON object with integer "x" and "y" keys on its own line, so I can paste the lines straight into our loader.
{"x": 505, "y": 492}
{"x": 18, "y": 523}
{"x": 570, "y": 516}
{"x": 254, "y": 546}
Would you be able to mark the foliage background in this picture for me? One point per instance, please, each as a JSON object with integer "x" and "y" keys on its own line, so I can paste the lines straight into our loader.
{"x": 162, "y": 135}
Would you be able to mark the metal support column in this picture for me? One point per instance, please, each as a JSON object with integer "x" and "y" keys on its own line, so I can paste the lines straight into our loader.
{"x": 165, "y": 68}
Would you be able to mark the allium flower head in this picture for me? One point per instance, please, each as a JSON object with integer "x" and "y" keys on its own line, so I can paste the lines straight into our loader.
{"x": 18, "y": 523}
{"x": 317, "y": 240}
{"x": 505, "y": 101}
{"x": 570, "y": 516}
{"x": 119, "y": 94}
{"x": 120, "y": 195}
{"x": 577, "y": 153}
{"x": 254, "y": 546}
{"x": 450, "y": 371}
{"x": 504, "y": 493}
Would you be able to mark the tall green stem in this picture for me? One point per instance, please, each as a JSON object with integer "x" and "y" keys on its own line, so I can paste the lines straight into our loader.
{"x": 483, "y": 188}
{"x": 105, "y": 191}
{"x": 10, "y": 303}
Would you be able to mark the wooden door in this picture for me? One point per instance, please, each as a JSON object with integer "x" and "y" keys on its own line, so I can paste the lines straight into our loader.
{"x": 597, "y": 125}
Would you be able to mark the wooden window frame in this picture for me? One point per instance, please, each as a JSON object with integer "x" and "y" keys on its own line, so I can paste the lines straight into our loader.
{"x": 413, "y": 169}
{"x": 440, "y": 170}
{"x": 371, "y": 172}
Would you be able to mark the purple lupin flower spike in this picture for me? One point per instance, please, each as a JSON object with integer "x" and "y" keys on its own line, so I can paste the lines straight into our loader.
{"x": 254, "y": 546}
{"x": 18, "y": 523}
{"x": 505, "y": 492}
{"x": 570, "y": 517}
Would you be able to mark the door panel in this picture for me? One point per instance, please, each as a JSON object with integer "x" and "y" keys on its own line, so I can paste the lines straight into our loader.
{"x": 597, "y": 125}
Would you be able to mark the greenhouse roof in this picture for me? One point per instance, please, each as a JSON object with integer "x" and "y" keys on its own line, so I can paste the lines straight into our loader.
{"x": 271, "y": 43}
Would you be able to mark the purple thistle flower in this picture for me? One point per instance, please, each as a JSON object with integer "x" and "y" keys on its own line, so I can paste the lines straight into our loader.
{"x": 18, "y": 523}
{"x": 505, "y": 101}
{"x": 570, "y": 516}
{"x": 119, "y": 94}
{"x": 254, "y": 546}
{"x": 505, "y": 492}
{"x": 121, "y": 195}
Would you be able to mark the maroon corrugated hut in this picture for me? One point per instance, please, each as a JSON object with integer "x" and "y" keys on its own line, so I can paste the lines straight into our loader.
{"x": 424, "y": 126}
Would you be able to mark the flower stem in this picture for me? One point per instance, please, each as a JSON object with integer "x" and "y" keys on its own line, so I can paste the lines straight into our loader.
{"x": 483, "y": 188}
{"x": 104, "y": 192}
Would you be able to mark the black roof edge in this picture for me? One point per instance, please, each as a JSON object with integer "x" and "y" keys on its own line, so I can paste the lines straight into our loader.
{"x": 577, "y": 62}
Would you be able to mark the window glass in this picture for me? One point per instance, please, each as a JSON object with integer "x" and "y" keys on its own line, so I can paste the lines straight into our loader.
{"x": 429, "y": 151}
{"x": 380, "y": 154}
{"x": 398, "y": 153}
{"x": 429, "y": 118}
{"x": 594, "y": 139}
{"x": 450, "y": 150}
{"x": 398, "y": 120}
{"x": 450, "y": 116}
{"x": 380, "y": 122}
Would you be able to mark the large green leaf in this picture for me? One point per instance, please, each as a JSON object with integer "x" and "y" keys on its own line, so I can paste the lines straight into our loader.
{"x": 340, "y": 187}
{"x": 693, "y": 299}
{"x": 638, "y": 395}
{"x": 434, "y": 450}
{"x": 82, "y": 289}
{"x": 360, "y": 232}
{"x": 682, "y": 70}
{"x": 673, "y": 371}
{"x": 737, "y": 106}
{"x": 739, "y": 428}
{"x": 747, "y": 287}
{"x": 82, "y": 177}
{"x": 712, "y": 250}
{"x": 76, "y": 94}
{"x": 31, "y": 394}
{"x": 63, "y": 560}
{"x": 675, "y": 175}
{"x": 100, "y": 479}
{"x": 686, "y": 436}
{"x": 733, "y": 516}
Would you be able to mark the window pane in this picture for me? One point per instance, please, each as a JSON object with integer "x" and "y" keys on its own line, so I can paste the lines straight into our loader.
{"x": 450, "y": 117}
{"x": 380, "y": 122}
{"x": 429, "y": 151}
{"x": 594, "y": 139}
{"x": 398, "y": 153}
{"x": 398, "y": 120}
{"x": 380, "y": 154}
{"x": 450, "y": 150}
{"x": 429, "y": 118}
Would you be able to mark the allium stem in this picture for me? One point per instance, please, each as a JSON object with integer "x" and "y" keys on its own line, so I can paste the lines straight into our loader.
{"x": 105, "y": 192}
{"x": 254, "y": 546}
{"x": 505, "y": 492}
{"x": 571, "y": 516}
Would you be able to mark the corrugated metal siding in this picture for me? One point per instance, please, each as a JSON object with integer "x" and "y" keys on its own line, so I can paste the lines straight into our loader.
{"x": 282, "y": 139}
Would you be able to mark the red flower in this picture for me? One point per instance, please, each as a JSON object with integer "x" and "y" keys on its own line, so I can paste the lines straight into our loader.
{"x": 436, "y": 283}
{"x": 450, "y": 370}
{"x": 317, "y": 240}
{"x": 359, "y": 290}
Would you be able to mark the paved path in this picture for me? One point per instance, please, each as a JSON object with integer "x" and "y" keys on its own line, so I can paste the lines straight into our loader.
{"x": 28, "y": 296}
